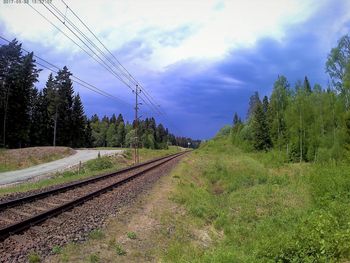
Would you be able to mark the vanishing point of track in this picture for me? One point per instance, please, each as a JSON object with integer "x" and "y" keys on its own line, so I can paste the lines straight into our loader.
{"x": 20, "y": 214}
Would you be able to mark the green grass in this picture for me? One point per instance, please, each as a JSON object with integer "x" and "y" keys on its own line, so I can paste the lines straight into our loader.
{"x": 131, "y": 235}
{"x": 96, "y": 234}
{"x": 91, "y": 168}
{"x": 34, "y": 257}
{"x": 256, "y": 208}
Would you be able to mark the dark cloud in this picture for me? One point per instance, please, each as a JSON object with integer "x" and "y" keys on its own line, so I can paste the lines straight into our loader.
{"x": 207, "y": 99}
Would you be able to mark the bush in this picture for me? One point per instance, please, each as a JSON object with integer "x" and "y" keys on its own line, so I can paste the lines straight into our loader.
{"x": 99, "y": 164}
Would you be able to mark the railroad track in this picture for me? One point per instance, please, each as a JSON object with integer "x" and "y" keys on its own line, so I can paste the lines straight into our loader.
{"x": 20, "y": 214}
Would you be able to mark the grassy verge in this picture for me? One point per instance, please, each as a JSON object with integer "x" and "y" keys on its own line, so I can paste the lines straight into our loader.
{"x": 91, "y": 168}
{"x": 22, "y": 158}
{"x": 253, "y": 208}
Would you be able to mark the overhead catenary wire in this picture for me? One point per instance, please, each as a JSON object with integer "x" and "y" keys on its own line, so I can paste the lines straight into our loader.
{"x": 82, "y": 22}
{"x": 105, "y": 66}
{"x": 74, "y": 41}
{"x": 126, "y": 74}
{"x": 74, "y": 78}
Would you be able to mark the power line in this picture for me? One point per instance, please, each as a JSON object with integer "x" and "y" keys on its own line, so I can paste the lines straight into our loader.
{"x": 105, "y": 66}
{"x": 127, "y": 74}
{"x": 137, "y": 83}
{"x": 75, "y": 79}
{"x": 73, "y": 41}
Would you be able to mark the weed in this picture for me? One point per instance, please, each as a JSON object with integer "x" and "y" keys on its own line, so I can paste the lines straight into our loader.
{"x": 56, "y": 250}
{"x": 34, "y": 257}
{"x": 96, "y": 234}
{"x": 120, "y": 250}
{"x": 131, "y": 235}
{"x": 94, "y": 258}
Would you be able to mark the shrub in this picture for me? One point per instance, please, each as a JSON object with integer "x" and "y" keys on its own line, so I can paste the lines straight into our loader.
{"x": 99, "y": 164}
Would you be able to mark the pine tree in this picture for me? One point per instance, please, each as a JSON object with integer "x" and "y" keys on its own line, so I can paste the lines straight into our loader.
{"x": 23, "y": 75}
{"x": 88, "y": 134}
{"x": 253, "y": 102}
{"x": 262, "y": 140}
{"x": 78, "y": 123}
{"x": 64, "y": 119}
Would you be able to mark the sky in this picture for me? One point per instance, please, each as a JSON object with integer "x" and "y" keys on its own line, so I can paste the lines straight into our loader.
{"x": 200, "y": 60}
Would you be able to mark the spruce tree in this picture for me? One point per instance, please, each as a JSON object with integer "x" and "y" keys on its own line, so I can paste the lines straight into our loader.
{"x": 78, "y": 123}
{"x": 262, "y": 140}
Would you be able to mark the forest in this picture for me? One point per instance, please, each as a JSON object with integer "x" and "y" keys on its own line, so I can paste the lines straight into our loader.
{"x": 303, "y": 122}
{"x": 55, "y": 115}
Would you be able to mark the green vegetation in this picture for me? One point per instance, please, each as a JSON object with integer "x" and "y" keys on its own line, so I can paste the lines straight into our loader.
{"x": 56, "y": 250}
{"x": 94, "y": 258}
{"x": 96, "y": 234}
{"x": 34, "y": 257}
{"x": 302, "y": 123}
{"x": 274, "y": 188}
{"x": 120, "y": 250}
{"x": 131, "y": 235}
{"x": 256, "y": 208}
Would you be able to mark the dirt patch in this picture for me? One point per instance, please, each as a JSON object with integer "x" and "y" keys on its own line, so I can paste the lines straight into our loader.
{"x": 26, "y": 157}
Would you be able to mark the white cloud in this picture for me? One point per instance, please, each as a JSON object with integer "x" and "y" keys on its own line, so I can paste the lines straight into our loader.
{"x": 215, "y": 26}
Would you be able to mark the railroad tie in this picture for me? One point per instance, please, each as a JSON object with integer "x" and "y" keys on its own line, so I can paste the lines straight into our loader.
{"x": 19, "y": 239}
{"x": 38, "y": 208}
{"x": 6, "y": 219}
{"x": 48, "y": 203}
{"x": 21, "y": 213}
{"x": 37, "y": 229}
{"x": 56, "y": 220}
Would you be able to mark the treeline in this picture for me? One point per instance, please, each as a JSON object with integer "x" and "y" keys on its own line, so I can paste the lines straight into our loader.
{"x": 115, "y": 132}
{"x": 55, "y": 115}
{"x": 303, "y": 122}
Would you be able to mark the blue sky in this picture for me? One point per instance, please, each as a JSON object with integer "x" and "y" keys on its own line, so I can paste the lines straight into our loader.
{"x": 200, "y": 60}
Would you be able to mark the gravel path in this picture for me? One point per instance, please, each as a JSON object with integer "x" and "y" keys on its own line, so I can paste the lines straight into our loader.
{"x": 53, "y": 167}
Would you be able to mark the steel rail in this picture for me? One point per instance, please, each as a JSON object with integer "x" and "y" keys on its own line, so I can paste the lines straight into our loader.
{"x": 38, "y": 218}
{"x": 32, "y": 197}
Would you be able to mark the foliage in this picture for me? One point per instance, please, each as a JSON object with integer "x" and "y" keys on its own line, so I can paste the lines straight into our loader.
{"x": 99, "y": 164}
{"x": 120, "y": 250}
{"x": 262, "y": 209}
{"x": 302, "y": 123}
{"x": 56, "y": 250}
{"x": 131, "y": 235}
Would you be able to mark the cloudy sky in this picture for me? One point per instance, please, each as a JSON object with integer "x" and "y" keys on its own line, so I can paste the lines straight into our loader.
{"x": 200, "y": 60}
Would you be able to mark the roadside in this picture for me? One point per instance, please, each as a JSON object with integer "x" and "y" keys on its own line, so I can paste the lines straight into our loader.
{"x": 15, "y": 159}
{"x": 54, "y": 166}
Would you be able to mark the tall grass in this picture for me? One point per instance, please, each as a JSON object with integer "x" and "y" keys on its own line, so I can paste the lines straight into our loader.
{"x": 266, "y": 210}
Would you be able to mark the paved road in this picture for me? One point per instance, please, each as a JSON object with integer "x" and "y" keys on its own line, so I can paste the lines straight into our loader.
{"x": 53, "y": 167}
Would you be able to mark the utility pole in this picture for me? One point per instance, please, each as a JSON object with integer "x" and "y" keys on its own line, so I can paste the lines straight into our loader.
{"x": 5, "y": 111}
{"x": 136, "y": 141}
{"x": 55, "y": 128}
